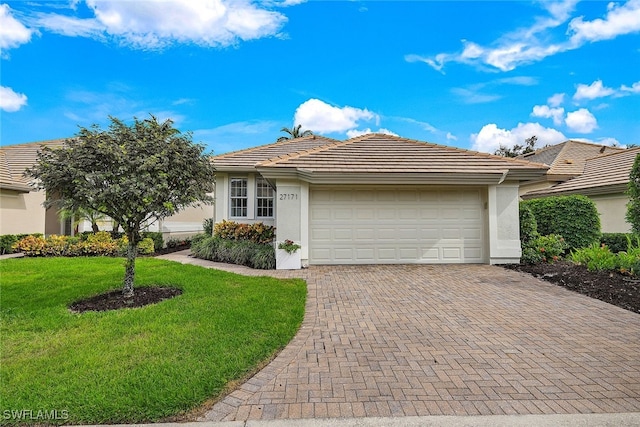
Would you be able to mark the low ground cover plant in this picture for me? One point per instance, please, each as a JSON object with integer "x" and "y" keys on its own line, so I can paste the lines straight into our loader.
{"x": 236, "y": 243}
{"x": 601, "y": 257}
{"x": 134, "y": 365}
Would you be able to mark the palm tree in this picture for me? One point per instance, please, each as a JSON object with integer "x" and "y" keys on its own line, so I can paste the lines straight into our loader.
{"x": 294, "y": 132}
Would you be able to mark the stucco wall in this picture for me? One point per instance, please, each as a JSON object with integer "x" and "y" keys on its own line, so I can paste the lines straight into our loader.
{"x": 504, "y": 224}
{"x": 21, "y": 213}
{"x": 612, "y": 209}
{"x": 221, "y": 205}
{"x": 539, "y": 185}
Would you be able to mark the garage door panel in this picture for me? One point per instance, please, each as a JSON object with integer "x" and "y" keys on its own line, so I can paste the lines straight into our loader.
{"x": 396, "y": 226}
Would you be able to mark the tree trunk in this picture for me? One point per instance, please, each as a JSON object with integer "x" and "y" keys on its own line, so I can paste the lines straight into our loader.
{"x": 130, "y": 267}
{"x": 94, "y": 227}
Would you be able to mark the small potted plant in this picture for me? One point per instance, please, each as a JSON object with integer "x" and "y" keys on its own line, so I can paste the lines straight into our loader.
{"x": 288, "y": 255}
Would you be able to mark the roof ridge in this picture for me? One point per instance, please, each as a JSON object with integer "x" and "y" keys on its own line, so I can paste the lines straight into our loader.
{"x": 29, "y": 144}
{"x": 288, "y": 141}
{"x": 397, "y": 138}
{"x": 622, "y": 151}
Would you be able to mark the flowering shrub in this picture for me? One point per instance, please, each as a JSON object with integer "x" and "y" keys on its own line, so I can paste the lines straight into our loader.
{"x": 98, "y": 244}
{"x": 544, "y": 249}
{"x": 257, "y": 232}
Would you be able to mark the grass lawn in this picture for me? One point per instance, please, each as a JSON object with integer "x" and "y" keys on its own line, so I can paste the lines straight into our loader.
{"x": 132, "y": 365}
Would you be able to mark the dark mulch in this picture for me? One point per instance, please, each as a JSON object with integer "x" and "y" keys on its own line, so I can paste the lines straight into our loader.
{"x": 611, "y": 287}
{"x": 115, "y": 300}
{"x": 173, "y": 249}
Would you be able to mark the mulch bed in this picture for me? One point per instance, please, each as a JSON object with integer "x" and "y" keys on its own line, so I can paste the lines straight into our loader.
{"x": 115, "y": 300}
{"x": 612, "y": 287}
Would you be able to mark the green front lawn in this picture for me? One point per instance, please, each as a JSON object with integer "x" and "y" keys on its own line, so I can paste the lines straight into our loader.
{"x": 132, "y": 365}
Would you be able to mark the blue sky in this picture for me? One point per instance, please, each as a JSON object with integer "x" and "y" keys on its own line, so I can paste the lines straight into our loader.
{"x": 234, "y": 72}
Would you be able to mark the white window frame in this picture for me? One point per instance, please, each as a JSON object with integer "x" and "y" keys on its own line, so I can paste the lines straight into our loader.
{"x": 260, "y": 197}
{"x": 239, "y": 197}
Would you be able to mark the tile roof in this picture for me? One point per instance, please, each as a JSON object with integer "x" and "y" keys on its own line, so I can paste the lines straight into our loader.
{"x": 604, "y": 174}
{"x": 568, "y": 158}
{"x": 14, "y": 159}
{"x": 379, "y": 153}
{"x": 250, "y": 157}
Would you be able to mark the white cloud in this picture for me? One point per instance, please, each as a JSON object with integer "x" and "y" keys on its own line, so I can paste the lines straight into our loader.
{"x": 11, "y": 101}
{"x": 556, "y": 114}
{"x": 321, "y": 117}
{"x": 536, "y": 42}
{"x": 592, "y": 91}
{"x": 12, "y": 32}
{"x": 620, "y": 19}
{"x": 471, "y": 96}
{"x": 356, "y": 132}
{"x": 490, "y": 137}
{"x": 451, "y": 137}
{"x": 634, "y": 88}
{"x": 581, "y": 121}
{"x": 556, "y": 99}
{"x": 155, "y": 24}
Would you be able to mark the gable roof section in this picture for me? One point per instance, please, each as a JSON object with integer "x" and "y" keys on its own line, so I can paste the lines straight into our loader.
{"x": 14, "y": 159}
{"x": 604, "y": 174}
{"x": 568, "y": 158}
{"x": 246, "y": 160}
{"x": 391, "y": 159}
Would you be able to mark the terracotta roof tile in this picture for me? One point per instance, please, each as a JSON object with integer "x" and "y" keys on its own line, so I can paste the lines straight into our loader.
{"x": 568, "y": 158}
{"x": 603, "y": 174}
{"x": 385, "y": 153}
{"x": 14, "y": 159}
{"x": 250, "y": 157}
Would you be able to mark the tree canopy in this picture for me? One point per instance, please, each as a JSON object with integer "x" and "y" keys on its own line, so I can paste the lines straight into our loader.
{"x": 633, "y": 191}
{"x": 517, "y": 149}
{"x": 135, "y": 174}
{"x": 294, "y": 132}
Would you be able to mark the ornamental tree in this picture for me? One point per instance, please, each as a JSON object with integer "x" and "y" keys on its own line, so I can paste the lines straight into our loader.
{"x": 633, "y": 191}
{"x": 135, "y": 174}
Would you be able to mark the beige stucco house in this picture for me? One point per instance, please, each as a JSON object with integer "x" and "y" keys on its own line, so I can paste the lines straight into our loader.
{"x": 604, "y": 180}
{"x": 21, "y": 209}
{"x": 566, "y": 161}
{"x": 378, "y": 199}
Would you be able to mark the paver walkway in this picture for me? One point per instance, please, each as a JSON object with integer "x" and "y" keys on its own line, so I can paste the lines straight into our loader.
{"x": 381, "y": 341}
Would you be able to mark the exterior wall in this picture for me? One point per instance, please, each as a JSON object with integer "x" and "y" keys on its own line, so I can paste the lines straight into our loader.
{"x": 222, "y": 206}
{"x": 22, "y": 213}
{"x": 534, "y": 186}
{"x": 292, "y": 215}
{"x": 612, "y": 209}
{"x": 504, "y": 224}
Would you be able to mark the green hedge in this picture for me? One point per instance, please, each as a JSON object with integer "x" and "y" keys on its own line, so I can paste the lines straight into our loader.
{"x": 241, "y": 252}
{"x": 618, "y": 242}
{"x": 575, "y": 218}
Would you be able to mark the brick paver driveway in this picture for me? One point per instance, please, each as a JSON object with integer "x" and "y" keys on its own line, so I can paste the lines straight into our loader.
{"x": 445, "y": 340}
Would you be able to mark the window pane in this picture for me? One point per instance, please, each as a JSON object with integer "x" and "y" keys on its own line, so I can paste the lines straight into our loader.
{"x": 264, "y": 199}
{"x": 238, "y": 197}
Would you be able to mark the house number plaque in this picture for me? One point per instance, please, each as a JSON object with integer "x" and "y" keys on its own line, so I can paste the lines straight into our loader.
{"x": 288, "y": 196}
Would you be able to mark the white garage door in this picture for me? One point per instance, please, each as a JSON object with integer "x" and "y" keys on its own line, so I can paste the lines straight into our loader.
{"x": 400, "y": 225}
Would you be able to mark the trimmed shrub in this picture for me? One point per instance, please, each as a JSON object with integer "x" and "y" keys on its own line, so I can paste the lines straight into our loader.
{"x": 618, "y": 242}
{"x": 6, "y": 243}
{"x": 156, "y": 237}
{"x": 257, "y": 232}
{"x": 574, "y": 217}
{"x": 31, "y": 245}
{"x": 544, "y": 249}
{"x": 147, "y": 246}
{"x": 528, "y": 225}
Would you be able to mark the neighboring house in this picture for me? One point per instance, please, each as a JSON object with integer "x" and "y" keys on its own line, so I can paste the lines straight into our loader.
{"x": 604, "y": 180}
{"x": 21, "y": 209}
{"x": 378, "y": 199}
{"x": 566, "y": 160}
